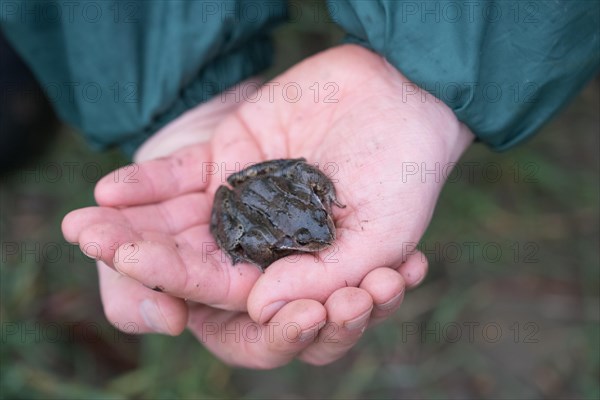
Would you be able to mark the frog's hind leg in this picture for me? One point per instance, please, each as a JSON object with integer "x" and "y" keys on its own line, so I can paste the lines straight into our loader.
{"x": 257, "y": 247}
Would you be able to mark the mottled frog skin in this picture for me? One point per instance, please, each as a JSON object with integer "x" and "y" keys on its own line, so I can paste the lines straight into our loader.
{"x": 273, "y": 209}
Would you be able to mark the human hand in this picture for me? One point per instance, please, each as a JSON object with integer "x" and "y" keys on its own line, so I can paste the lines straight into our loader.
{"x": 297, "y": 330}
{"x": 367, "y": 134}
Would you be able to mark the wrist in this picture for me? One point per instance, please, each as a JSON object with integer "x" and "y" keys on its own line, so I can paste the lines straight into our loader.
{"x": 454, "y": 136}
{"x": 421, "y": 117}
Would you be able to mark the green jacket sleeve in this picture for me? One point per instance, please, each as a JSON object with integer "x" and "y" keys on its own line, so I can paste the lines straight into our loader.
{"x": 504, "y": 67}
{"x": 119, "y": 71}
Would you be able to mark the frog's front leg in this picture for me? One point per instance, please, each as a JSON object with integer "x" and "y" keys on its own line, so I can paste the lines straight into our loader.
{"x": 316, "y": 180}
{"x": 262, "y": 169}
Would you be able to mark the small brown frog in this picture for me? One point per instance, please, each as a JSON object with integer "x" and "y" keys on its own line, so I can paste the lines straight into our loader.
{"x": 273, "y": 209}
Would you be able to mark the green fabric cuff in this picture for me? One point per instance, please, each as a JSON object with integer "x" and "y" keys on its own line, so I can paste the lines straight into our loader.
{"x": 120, "y": 71}
{"x": 504, "y": 67}
{"x": 221, "y": 74}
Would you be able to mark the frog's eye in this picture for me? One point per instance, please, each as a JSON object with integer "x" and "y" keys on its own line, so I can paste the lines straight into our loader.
{"x": 302, "y": 236}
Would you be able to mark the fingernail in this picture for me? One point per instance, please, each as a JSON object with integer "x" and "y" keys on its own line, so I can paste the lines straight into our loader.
{"x": 413, "y": 281}
{"x": 390, "y": 304}
{"x": 270, "y": 310}
{"x": 419, "y": 279}
{"x": 358, "y": 322}
{"x": 125, "y": 251}
{"x": 91, "y": 250}
{"x": 311, "y": 333}
{"x": 153, "y": 317}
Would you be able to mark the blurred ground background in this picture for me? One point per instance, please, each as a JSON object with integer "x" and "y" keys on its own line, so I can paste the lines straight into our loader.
{"x": 509, "y": 310}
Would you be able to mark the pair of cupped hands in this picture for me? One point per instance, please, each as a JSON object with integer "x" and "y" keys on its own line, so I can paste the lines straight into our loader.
{"x": 158, "y": 264}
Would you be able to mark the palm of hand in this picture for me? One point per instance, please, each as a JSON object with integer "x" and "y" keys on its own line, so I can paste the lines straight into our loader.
{"x": 361, "y": 140}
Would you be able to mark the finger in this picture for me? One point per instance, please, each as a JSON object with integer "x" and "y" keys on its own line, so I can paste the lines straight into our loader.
{"x": 104, "y": 242}
{"x": 188, "y": 266}
{"x": 76, "y": 221}
{"x": 238, "y": 341}
{"x": 386, "y": 287}
{"x": 317, "y": 276}
{"x": 185, "y": 266}
{"x": 414, "y": 269}
{"x": 100, "y": 231}
{"x": 153, "y": 181}
{"x": 348, "y": 313}
{"x": 135, "y": 309}
{"x": 171, "y": 216}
